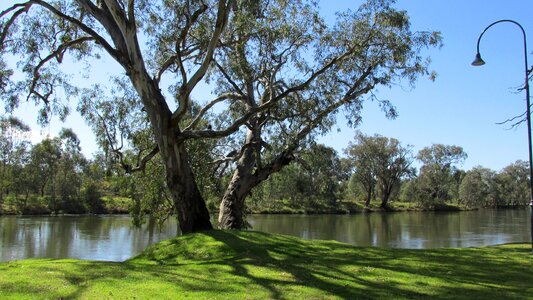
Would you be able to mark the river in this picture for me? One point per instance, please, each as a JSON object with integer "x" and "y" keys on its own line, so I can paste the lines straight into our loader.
{"x": 113, "y": 238}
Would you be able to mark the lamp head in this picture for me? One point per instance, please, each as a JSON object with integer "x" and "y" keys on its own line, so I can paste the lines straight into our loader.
{"x": 478, "y": 61}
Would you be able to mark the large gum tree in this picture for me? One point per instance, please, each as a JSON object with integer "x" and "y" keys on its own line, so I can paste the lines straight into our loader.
{"x": 300, "y": 72}
{"x": 148, "y": 40}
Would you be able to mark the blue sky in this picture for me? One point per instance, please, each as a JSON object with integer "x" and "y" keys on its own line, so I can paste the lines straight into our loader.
{"x": 461, "y": 107}
{"x": 464, "y": 103}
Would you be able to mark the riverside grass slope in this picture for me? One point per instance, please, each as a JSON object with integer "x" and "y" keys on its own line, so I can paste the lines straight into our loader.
{"x": 256, "y": 265}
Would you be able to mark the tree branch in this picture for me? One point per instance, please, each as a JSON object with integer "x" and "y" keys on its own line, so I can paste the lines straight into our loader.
{"x": 222, "y": 18}
{"x": 164, "y": 67}
{"x": 313, "y": 76}
{"x": 58, "y": 54}
{"x": 141, "y": 166}
{"x": 119, "y": 16}
{"x": 242, "y": 120}
{"x": 230, "y": 129}
{"x": 228, "y": 78}
{"x": 180, "y": 42}
{"x": 179, "y": 60}
{"x": 286, "y": 156}
{"x": 204, "y": 110}
{"x": 131, "y": 12}
{"x": 25, "y": 8}
{"x": 99, "y": 39}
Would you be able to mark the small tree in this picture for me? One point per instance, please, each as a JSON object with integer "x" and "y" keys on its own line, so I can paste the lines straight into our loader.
{"x": 478, "y": 188}
{"x": 92, "y": 198}
{"x": 45, "y": 157}
{"x": 513, "y": 182}
{"x": 437, "y": 181}
{"x": 13, "y": 143}
{"x": 364, "y": 165}
{"x": 382, "y": 162}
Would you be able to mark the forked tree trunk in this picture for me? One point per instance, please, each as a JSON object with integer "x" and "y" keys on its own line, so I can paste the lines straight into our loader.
{"x": 231, "y": 213}
{"x": 385, "y": 196}
{"x": 247, "y": 176}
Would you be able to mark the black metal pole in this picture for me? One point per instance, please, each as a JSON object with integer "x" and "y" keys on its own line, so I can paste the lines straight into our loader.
{"x": 530, "y": 151}
{"x": 528, "y": 112}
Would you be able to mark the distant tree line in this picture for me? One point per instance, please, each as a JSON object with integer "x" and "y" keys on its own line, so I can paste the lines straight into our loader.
{"x": 52, "y": 176}
{"x": 376, "y": 172}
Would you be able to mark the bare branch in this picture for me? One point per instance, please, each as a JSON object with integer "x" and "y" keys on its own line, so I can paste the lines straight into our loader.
{"x": 516, "y": 120}
{"x": 223, "y": 160}
{"x": 219, "y": 133}
{"x": 222, "y": 18}
{"x": 179, "y": 60}
{"x": 58, "y": 54}
{"x": 141, "y": 166}
{"x": 228, "y": 78}
{"x": 204, "y": 110}
{"x": 164, "y": 67}
{"x": 25, "y": 7}
{"x": 99, "y": 39}
{"x": 15, "y": 6}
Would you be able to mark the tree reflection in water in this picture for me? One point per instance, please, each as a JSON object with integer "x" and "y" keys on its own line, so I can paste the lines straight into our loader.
{"x": 113, "y": 238}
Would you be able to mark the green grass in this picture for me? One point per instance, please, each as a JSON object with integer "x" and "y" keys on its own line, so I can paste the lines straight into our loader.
{"x": 255, "y": 265}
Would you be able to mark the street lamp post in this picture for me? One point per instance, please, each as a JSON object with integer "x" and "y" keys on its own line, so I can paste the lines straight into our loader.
{"x": 479, "y": 62}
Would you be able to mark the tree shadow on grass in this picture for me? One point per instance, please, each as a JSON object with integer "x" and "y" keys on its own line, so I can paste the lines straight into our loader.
{"x": 348, "y": 272}
{"x": 232, "y": 264}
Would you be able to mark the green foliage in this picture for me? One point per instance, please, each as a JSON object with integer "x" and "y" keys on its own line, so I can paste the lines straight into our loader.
{"x": 379, "y": 164}
{"x": 439, "y": 176}
{"x": 255, "y": 265}
{"x": 93, "y": 198}
{"x": 13, "y": 149}
{"x": 279, "y": 68}
{"x": 478, "y": 188}
{"x": 312, "y": 184}
{"x": 513, "y": 184}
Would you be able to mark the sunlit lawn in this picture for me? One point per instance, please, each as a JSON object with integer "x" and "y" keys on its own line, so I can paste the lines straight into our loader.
{"x": 255, "y": 265}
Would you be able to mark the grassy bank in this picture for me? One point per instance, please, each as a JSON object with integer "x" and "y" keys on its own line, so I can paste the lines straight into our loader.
{"x": 36, "y": 205}
{"x": 354, "y": 207}
{"x": 254, "y": 265}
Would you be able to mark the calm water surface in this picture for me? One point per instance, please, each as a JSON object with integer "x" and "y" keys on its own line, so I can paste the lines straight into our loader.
{"x": 415, "y": 230}
{"x": 113, "y": 238}
{"x": 110, "y": 238}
